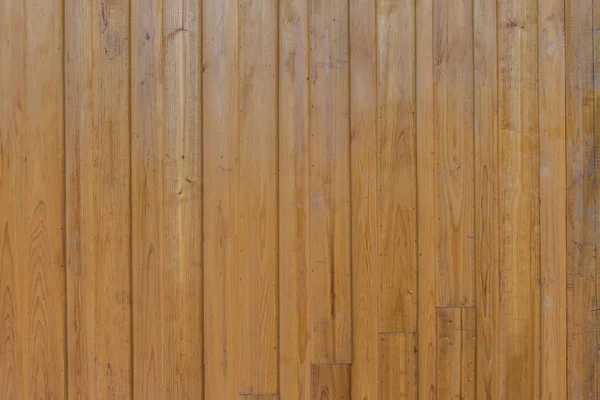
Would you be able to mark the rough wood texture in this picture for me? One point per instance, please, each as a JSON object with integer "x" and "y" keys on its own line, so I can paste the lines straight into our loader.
{"x": 300, "y": 199}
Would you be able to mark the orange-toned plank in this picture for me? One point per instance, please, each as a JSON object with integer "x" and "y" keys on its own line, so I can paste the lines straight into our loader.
{"x": 258, "y": 397}
{"x": 148, "y": 222}
{"x": 32, "y": 210}
{"x": 330, "y": 382}
{"x": 456, "y": 353}
{"x": 258, "y": 190}
{"x": 426, "y": 192}
{"x": 398, "y": 366}
{"x": 486, "y": 197}
{"x": 519, "y": 196}
{"x": 553, "y": 257}
{"x": 330, "y": 256}
{"x": 364, "y": 156}
{"x": 99, "y": 198}
{"x": 454, "y": 177}
{"x": 294, "y": 340}
{"x": 397, "y": 207}
{"x": 220, "y": 197}
{"x": 166, "y": 196}
{"x": 581, "y": 203}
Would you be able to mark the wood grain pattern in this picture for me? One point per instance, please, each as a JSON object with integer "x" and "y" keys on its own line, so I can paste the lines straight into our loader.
{"x": 519, "y": 193}
{"x": 99, "y": 198}
{"x": 294, "y": 317}
{"x": 456, "y": 337}
{"x": 221, "y": 199}
{"x": 397, "y": 207}
{"x": 364, "y": 172}
{"x": 426, "y": 192}
{"x": 307, "y": 199}
{"x": 330, "y": 382}
{"x": 487, "y": 226}
{"x": 330, "y": 253}
{"x": 258, "y": 191}
{"x": 454, "y": 176}
{"x": 398, "y": 366}
{"x": 553, "y": 217}
{"x": 580, "y": 204}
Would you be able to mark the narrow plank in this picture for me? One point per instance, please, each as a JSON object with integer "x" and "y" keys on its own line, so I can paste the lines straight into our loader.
{"x": 147, "y": 194}
{"x": 330, "y": 382}
{"x": 183, "y": 275}
{"x": 258, "y": 189}
{"x": 330, "y": 253}
{"x": 364, "y": 173}
{"x": 397, "y": 207}
{"x": 32, "y": 213}
{"x": 456, "y": 353}
{"x": 294, "y": 320}
{"x": 519, "y": 240}
{"x": 581, "y": 204}
{"x": 398, "y": 366}
{"x": 553, "y": 251}
{"x": 13, "y": 117}
{"x": 99, "y": 198}
{"x": 486, "y": 197}
{"x": 426, "y": 192}
{"x": 166, "y": 181}
{"x": 454, "y": 177}
{"x": 220, "y": 178}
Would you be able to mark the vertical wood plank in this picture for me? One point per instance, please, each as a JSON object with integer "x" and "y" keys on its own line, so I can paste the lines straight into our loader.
{"x": 330, "y": 254}
{"x": 426, "y": 192}
{"x": 553, "y": 242}
{"x": 456, "y": 353}
{"x": 294, "y": 340}
{"x": 397, "y": 207}
{"x": 258, "y": 191}
{"x": 364, "y": 173}
{"x": 99, "y": 198}
{"x": 147, "y": 185}
{"x": 221, "y": 177}
{"x": 519, "y": 346}
{"x": 183, "y": 280}
{"x": 398, "y": 366}
{"x": 453, "y": 122}
{"x": 32, "y": 208}
{"x": 12, "y": 130}
{"x": 486, "y": 196}
{"x": 581, "y": 203}
{"x": 166, "y": 192}
{"x": 258, "y": 397}
{"x": 330, "y": 382}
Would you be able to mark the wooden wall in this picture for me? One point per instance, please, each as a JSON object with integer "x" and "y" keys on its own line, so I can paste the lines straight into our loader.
{"x": 299, "y": 199}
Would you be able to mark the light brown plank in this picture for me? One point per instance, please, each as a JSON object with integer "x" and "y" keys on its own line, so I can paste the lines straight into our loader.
{"x": 32, "y": 209}
{"x": 551, "y": 69}
{"x": 99, "y": 198}
{"x": 397, "y": 206}
{"x": 486, "y": 197}
{"x": 453, "y": 124}
{"x": 456, "y": 353}
{"x": 398, "y": 366}
{"x": 147, "y": 193}
{"x": 426, "y": 192}
{"x": 166, "y": 194}
{"x": 258, "y": 397}
{"x": 258, "y": 191}
{"x": 364, "y": 172}
{"x": 330, "y": 253}
{"x": 221, "y": 197}
{"x": 519, "y": 168}
{"x": 581, "y": 204}
{"x": 330, "y": 382}
{"x": 294, "y": 320}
